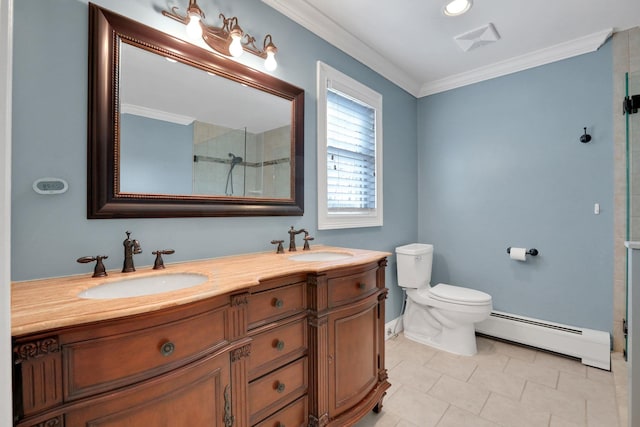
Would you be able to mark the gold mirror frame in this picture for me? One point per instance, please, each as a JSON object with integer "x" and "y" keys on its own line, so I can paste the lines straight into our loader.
{"x": 104, "y": 200}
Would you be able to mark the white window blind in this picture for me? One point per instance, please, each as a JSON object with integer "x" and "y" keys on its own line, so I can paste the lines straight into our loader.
{"x": 351, "y": 154}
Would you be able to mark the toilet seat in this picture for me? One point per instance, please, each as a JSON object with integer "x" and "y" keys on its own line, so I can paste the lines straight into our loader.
{"x": 444, "y": 298}
{"x": 459, "y": 295}
{"x": 449, "y": 294}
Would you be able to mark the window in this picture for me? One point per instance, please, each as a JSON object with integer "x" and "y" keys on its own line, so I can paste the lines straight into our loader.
{"x": 349, "y": 152}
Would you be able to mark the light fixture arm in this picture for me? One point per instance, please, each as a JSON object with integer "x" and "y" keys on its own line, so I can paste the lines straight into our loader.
{"x": 173, "y": 14}
{"x": 250, "y": 45}
{"x": 194, "y": 9}
{"x": 220, "y": 39}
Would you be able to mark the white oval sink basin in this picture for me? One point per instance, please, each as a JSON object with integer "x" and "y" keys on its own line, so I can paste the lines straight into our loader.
{"x": 140, "y": 286}
{"x": 320, "y": 256}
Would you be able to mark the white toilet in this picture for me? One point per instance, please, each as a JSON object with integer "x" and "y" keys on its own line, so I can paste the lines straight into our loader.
{"x": 442, "y": 316}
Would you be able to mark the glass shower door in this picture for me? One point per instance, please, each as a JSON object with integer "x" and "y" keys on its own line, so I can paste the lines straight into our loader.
{"x": 631, "y": 109}
{"x": 633, "y": 154}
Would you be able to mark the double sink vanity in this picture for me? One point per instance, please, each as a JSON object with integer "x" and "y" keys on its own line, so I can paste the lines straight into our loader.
{"x": 263, "y": 339}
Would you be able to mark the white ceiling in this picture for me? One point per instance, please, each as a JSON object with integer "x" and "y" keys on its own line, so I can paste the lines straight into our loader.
{"x": 411, "y": 42}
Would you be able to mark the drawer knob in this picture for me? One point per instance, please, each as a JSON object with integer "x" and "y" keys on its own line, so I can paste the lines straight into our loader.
{"x": 279, "y": 345}
{"x": 279, "y": 425}
{"x": 167, "y": 348}
{"x": 279, "y": 387}
{"x": 278, "y": 303}
{"x": 362, "y": 285}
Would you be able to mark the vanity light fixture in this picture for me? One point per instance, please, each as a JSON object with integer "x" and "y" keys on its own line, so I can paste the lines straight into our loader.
{"x": 457, "y": 7}
{"x": 229, "y": 39}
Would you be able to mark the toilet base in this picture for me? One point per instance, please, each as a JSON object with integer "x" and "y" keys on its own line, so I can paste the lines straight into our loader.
{"x": 460, "y": 340}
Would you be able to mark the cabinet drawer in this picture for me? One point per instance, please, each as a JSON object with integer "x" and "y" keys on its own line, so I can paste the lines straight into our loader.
{"x": 349, "y": 288}
{"x": 277, "y": 346}
{"x": 276, "y": 304}
{"x": 294, "y": 415}
{"x": 271, "y": 392}
{"x": 105, "y": 363}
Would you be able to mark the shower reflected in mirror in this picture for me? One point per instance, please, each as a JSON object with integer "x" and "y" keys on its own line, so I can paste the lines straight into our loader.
{"x": 228, "y": 190}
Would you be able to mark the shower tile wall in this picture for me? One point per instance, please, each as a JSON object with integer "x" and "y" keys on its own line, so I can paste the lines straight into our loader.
{"x": 215, "y": 142}
{"x": 277, "y": 170}
{"x": 253, "y": 170}
{"x": 265, "y": 171}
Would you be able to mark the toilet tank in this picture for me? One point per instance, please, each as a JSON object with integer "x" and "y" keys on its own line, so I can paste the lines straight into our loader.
{"x": 414, "y": 265}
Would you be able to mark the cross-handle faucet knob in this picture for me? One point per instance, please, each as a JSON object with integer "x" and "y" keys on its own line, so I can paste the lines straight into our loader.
{"x": 159, "y": 263}
{"x": 99, "y": 270}
{"x": 307, "y": 239}
{"x": 279, "y": 249}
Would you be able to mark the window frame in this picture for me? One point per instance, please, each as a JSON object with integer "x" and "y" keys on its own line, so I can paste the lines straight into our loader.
{"x": 328, "y": 77}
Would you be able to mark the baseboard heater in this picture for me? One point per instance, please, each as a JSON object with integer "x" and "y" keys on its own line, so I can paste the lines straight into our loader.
{"x": 591, "y": 346}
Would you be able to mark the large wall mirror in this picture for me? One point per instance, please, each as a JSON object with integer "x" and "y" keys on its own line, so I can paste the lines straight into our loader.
{"x": 178, "y": 131}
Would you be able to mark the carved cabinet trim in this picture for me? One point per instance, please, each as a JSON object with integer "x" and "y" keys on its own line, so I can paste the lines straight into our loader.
{"x": 52, "y": 422}
{"x": 38, "y": 371}
{"x": 35, "y": 349}
{"x": 242, "y": 352}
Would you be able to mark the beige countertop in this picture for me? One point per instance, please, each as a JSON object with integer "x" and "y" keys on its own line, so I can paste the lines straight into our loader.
{"x": 45, "y": 304}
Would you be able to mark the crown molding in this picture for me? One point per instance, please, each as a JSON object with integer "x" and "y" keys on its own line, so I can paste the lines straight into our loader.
{"x": 313, "y": 20}
{"x": 579, "y": 46}
{"x": 152, "y": 113}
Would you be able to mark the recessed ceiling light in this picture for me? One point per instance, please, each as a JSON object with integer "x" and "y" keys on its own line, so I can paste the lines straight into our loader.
{"x": 457, "y": 7}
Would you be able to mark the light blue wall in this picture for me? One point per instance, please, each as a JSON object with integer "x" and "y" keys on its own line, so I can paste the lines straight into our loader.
{"x": 501, "y": 165}
{"x": 156, "y": 156}
{"x": 49, "y": 124}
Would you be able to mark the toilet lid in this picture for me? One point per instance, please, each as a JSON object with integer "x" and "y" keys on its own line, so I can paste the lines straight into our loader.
{"x": 446, "y": 292}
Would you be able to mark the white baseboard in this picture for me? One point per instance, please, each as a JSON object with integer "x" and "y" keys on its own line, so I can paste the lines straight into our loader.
{"x": 591, "y": 346}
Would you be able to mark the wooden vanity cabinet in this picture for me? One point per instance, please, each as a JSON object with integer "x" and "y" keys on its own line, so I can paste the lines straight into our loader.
{"x": 353, "y": 354}
{"x": 297, "y": 350}
{"x": 348, "y": 377}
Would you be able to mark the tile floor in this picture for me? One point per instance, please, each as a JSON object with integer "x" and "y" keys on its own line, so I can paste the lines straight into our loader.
{"x": 503, "y": 385}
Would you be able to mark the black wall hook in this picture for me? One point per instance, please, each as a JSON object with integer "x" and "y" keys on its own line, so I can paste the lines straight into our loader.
{"x": 586, "y": 137}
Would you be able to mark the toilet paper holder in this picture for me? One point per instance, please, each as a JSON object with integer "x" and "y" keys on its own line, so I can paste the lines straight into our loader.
{"x": 532, "y": 251}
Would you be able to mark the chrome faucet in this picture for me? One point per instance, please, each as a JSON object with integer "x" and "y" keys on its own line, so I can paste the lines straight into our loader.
{"x": 292, "y": 239}
{"x": 131, "y": 247}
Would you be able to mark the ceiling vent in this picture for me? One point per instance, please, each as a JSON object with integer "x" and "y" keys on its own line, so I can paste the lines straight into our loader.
{"x": 478, "y": 37}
